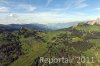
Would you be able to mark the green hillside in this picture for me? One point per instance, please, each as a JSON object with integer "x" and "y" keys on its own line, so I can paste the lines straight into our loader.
{"x": 24, "y": 47}
{"x": 88, "y": 28}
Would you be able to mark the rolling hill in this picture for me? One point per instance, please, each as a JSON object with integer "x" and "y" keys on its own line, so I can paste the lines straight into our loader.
{"x": 81, "y": 41}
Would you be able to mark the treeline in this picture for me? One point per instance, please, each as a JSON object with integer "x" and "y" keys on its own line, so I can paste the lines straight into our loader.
{"x": 11, "y": 45}
{"x": 10, "y": 48}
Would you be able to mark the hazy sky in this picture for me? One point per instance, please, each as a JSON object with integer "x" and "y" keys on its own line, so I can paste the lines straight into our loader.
{"x": 48, "y": 11}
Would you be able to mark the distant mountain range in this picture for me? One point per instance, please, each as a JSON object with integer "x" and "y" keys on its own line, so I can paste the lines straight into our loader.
{"x": 12, "y": 27}
{"x": 45, "y": 27}
{"x": 55, "y": 26}
{"x": 42, "y": 27}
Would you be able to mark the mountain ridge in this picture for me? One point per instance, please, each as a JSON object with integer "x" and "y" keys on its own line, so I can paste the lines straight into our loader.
{"x": 41, "y": 27}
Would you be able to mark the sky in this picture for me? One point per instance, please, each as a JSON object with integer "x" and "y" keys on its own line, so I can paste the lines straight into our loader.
{"x": 48, "y": 11}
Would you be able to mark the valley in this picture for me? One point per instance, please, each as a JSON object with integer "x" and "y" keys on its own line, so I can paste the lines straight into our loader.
{"x": 25, "y": 46}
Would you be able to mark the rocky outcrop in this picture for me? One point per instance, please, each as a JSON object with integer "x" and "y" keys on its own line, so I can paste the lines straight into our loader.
{"x": 94, "y": 22}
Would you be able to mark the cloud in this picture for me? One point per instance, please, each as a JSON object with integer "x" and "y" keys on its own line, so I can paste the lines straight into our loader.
{"x": 41, "y": 17}
{"x": 69, "y": 4}
{"x": 75, "y": 4}
{"x": 12, "y": 15}
{"x": 2, "y": 0}
{"x": 98, "y": 9}
{"x": 48, "y": 2}
{"x": 26, "y": 7}
{"x": 4, "y": 9}
{"x": 16, "y": 7}
{"x": 80, "y": 3}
